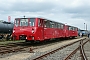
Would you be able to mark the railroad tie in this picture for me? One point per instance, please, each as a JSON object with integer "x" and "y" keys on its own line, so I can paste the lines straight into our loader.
{"x": 31, "y": 50}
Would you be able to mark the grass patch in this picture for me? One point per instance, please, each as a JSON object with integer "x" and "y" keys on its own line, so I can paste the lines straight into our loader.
{"x": 8, "y": 42}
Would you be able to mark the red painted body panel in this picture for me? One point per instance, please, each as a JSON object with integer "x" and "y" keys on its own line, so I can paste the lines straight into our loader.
{"x": 27, "y": 31}
{"x": 53, "y": 33}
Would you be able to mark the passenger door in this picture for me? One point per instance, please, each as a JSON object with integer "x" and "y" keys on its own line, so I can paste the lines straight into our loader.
{"x": 41, "y": 29}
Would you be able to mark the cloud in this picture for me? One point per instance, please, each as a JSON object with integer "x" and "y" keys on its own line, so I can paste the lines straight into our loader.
{"x": 73, "y": 12}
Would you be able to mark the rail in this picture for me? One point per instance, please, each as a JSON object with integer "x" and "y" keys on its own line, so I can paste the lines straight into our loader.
{"x": 80, "y": 47}
{"x": 83, "y": 56}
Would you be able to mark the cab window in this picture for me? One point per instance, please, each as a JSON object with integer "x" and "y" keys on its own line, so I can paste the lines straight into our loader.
{"x": 32, "y": 22}
{"x": 23, "y": 22}
{"x": 16, "y": 22}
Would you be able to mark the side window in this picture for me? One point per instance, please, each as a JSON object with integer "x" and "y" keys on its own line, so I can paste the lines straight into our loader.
{"x": 53, "y": 24}
{"x": 70, "y": 28}
{"x": 32, "y": 22}
{"x": 16, "y": 22}
{"x": 40, "y": 22}
{"x": 50, "y": 24}
{"x": 58, "y": 25}
{"x": 46, "y": 23}
{"x": 74, "y": 28}
{"x": 62, "y": 26}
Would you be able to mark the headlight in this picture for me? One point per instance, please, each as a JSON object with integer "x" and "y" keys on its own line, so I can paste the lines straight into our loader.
{"x": 13, "y": 31}
{"x": 32, "y": 37}
{"x": 26, "y": 37}
{"x": 32, "y": 31}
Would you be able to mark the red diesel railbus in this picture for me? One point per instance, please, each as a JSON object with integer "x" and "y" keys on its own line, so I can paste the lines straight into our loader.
{"x": 39, "y": 29}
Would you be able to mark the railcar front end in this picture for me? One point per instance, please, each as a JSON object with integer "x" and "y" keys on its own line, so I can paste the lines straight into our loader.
{"x": 27, "y": 29}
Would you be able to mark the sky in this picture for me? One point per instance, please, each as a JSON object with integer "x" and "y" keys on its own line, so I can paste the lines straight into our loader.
{"x": 71, "y": 12}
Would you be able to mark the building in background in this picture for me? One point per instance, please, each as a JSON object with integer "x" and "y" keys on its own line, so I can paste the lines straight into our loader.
{"x": 84, "y": 32}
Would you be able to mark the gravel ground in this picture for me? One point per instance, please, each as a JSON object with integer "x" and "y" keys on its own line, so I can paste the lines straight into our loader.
{"x": 87, "y": 49}
{"x": 59, "y": 55}
{"x": 42, "y": 50}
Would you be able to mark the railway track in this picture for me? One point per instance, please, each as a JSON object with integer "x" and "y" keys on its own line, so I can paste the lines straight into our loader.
{"x": 14, "y": 47}
{"x": 67, "y": 49}
{"x": 22, "y": 46}
{"x": 71, "y": 51}
{"x": 9, "y": 49}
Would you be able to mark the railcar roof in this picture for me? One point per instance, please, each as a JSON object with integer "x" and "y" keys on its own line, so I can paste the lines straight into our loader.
{"x": 46, "y": 19}
{"x": 71, "y": 26}
{"x": 41, "y": 18}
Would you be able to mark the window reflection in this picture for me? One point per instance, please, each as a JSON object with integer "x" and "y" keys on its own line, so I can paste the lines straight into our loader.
{"x": 32, "y": 22}
{"x": 23, "y": 22}
{"x": 16, "y": 23}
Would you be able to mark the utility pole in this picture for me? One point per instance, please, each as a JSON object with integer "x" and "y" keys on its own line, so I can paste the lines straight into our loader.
{"x": 84, "y": 26}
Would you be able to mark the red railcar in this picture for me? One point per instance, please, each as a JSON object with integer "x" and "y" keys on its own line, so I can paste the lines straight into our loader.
{"x": 71, "y": 31}
{"x": 39, "y": 29}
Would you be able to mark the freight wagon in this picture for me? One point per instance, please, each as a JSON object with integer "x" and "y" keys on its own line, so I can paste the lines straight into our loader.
{"x": 6, "y": 29}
